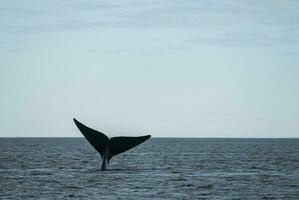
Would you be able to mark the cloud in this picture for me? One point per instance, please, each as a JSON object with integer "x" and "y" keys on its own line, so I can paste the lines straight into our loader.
{"x": 295, "y": 54}
{"x": 245, "y": 39}
{"x": 149, "y": 14}
{"x": 96, "y": 7}
{"x": 129, "y": 51}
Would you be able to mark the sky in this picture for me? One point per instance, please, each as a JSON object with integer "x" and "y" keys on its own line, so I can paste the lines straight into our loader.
{"x": 165, "y": 68}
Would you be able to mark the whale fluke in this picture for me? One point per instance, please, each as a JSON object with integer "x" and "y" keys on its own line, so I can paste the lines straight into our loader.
{"x": 109, "y": 147}
{"x": 97, "y": 139}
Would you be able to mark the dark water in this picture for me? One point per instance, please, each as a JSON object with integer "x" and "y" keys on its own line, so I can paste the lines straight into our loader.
{"x": 158, "y": 169}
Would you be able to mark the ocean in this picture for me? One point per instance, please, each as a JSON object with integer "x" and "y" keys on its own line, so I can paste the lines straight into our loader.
{"x": 160, "y": 168}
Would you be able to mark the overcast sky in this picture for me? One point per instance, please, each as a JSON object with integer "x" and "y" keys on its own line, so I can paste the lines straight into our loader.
{"x": 166, "y": 68}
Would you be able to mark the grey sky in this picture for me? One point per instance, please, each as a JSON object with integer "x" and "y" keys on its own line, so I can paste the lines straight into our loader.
{"x": 167, "y": 68}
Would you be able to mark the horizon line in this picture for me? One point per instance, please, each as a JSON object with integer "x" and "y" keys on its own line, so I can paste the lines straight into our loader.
{"x": 62, "y": 137}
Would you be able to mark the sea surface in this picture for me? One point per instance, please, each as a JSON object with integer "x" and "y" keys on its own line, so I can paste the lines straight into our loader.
{"x": 160, "y": 168}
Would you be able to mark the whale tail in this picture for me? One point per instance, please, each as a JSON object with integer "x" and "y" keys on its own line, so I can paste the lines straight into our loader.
{"x": 109, "y": 147}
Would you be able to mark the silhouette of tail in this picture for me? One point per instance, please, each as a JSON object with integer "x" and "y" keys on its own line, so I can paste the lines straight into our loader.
{"x": 109, "y": 147}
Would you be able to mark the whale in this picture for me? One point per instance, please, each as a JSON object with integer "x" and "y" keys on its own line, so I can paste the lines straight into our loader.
{"x": 109, "y": 147}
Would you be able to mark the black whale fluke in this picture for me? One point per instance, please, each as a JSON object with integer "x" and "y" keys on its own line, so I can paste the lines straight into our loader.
{"x": 109, "y": 147}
